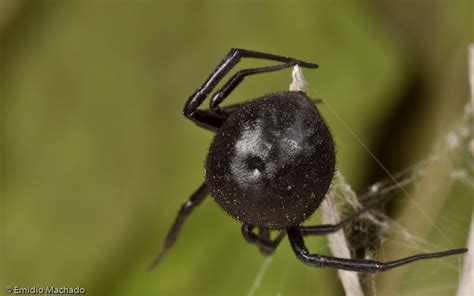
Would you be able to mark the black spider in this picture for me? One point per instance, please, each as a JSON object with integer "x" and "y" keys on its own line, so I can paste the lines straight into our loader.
{"x": 270, "y": 165}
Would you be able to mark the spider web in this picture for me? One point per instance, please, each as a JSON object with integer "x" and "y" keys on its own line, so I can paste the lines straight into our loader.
{"x": 373, "y": 229}
{"x": 457, "y": 142}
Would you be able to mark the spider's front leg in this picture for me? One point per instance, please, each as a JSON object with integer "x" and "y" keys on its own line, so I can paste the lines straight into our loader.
{"x": 262, "y": 240}
{"x": 358, "y": 265}
{"x": 331, "y": 228}
{"x": 212, "y": 119}
{"x": 196, "y": 199}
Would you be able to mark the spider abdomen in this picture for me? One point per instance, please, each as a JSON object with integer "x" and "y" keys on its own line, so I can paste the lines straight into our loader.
{"x": 272, "y": 161}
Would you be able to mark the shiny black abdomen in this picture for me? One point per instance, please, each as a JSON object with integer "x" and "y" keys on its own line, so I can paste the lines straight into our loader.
{"x": 272, "y": 162}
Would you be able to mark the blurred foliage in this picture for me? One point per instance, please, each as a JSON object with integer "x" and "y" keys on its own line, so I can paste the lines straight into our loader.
{"x": 97, "y": 158}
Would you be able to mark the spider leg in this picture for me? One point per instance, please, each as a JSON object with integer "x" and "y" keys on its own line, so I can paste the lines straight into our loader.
{"x": 263, "y": 241}
{"x": 235, "y": 80}
{"x": 211, "y": 120}
{"x": 231, "y": 108}
{"x": 331, "y": 228}
{"x": 185, "y": 210}
{"x": 358, "y": 265}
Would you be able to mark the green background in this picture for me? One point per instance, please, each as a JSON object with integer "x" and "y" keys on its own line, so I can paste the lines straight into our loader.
{"x": 97, "y": 157}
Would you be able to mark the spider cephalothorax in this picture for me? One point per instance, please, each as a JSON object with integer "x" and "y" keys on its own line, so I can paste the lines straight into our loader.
{"x": 270, "y": 165}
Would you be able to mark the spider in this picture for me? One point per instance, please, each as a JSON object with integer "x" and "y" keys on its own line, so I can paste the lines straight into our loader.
{"x": 270, "y": 166}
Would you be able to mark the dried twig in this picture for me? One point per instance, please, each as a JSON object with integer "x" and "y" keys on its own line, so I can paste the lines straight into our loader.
{"x": 338, "y": 245}
{"x": 466, "y": 287}
{"x": 331, "y": 215}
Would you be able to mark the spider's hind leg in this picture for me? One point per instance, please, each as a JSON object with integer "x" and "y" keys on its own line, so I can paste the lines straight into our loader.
{"x": 235, "y": 80}
{"x": 262, "y": 240}
{"x": 213, "y": 119}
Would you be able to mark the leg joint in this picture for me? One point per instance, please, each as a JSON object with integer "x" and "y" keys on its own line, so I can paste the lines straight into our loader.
{"x": 186, "y": 208}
